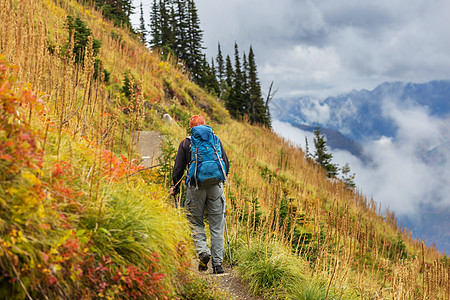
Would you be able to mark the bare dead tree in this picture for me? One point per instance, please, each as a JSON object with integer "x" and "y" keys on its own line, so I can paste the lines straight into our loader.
{"x": 270, "y": 95}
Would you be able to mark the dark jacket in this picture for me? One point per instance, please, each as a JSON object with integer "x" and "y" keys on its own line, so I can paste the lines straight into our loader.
{"x": 184, "y": 158}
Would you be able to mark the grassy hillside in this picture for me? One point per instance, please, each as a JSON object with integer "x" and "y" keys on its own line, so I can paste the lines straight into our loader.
{"x": 79, "y": 221}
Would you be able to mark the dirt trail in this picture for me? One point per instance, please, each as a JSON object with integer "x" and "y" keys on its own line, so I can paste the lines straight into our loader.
{"x": 230, "y": 282}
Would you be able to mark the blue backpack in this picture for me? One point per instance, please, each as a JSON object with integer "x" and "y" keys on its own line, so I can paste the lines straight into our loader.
{"x": 206, "y": 167}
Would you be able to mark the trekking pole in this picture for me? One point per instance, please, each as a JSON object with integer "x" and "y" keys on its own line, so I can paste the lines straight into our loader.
{"x": 175, "y": 196}
{"x": 176, "y": 201}
{"x": 228, "y": 241}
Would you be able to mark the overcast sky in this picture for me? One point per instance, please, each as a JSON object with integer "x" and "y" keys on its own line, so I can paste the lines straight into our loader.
{"x": 327, "y": 47}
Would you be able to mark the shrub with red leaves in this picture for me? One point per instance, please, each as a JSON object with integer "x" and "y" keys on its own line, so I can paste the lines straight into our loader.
{"x": 18, "y": 142}
{"x": 116, "y": 167}
{"x": 105, "y": 278}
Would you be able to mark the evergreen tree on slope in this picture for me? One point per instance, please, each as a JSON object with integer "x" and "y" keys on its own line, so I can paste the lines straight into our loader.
{"x": 155, "y": 25}
{"x": 234, "y": 102}
{"x": 220, "y": 69}
{"x": 142, "y": 30}
{"x": 322, "y": 156}
{"x": 117, "y": 10}
{"x": 229, "y": 75}
{"x": 194, "y": 41}
{"x": 257, "y": 108}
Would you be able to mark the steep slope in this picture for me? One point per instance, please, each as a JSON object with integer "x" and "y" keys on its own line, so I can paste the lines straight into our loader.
{"x": 93, "y": 226}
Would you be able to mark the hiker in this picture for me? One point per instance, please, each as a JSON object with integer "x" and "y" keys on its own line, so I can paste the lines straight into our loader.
{"x": 203, "y": 193}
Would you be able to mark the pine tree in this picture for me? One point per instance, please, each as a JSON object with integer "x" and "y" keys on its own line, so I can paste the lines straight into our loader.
{"x": 165, "y": 23}
{"x": 228, "y": 81}
{"x": 229, "y": 72}
{"x": 347, "y": 177}
{"x": 119, "y": 11}
{"x": 220, "y": 68}
{"x": 175, "y": 29}
{"x": 155, "y": 26}
{"x": 322, "y": 157}
{"x": 194, "y": 40}
{"x": 244, "y": 105}
{"x": 235, "y": 99}
{"x": 142, "y": 30}
{"x": 257, "y": 107}
{"x": 214, "y": 83}
{"x": 180, "y": 22}
{"x": 173, "y": 42}
{"x": 162, "y": 20}
{"x": 127, "y": 89}
{"x": 80, "y": 33}
{"x": 208, "y": 79}
{"x": 307, "y": 153}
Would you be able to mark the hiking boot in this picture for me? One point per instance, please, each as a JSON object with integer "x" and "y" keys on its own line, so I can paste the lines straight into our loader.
{"x": 218, "y": 269}
{"x": 204, "y": 259}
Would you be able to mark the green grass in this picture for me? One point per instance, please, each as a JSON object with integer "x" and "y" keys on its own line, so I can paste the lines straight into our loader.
{"x": 134, "y": 222}
{"x": 270, "y": 270}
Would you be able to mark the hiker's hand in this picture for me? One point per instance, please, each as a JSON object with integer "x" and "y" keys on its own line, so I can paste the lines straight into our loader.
{"x": 171, "y": 191}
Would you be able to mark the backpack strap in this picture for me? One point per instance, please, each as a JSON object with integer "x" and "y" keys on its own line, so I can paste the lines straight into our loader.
{"x": 188, "y": 161}
{"x": 184, "y": 141}
{"x": 221, "y": 166}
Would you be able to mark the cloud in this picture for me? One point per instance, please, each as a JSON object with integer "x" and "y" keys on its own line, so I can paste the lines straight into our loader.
{"x": 294, "y": 135}
{"x": 315, "y": 111}
{"x": 318, "y": 47}
{"x": 397, "y": 176}
{"x": 415, "y": 124}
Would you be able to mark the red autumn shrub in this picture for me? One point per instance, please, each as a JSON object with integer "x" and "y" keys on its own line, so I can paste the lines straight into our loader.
{"x": 18, "y": 142}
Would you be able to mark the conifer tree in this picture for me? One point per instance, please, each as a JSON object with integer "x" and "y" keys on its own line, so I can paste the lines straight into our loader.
{"x": 162, "y": 27}
{"x": 220, "y": 68}
{"x": 173, "y": 43}
{"x": 322, "y": 156}
{"x": 235, "y": 99}
{"x": 119, "y": 11}
{"x": 165, "y": 24}
{"x": 194, "y": 40}
{"x": 155, "y": 25}
{"x": 228, "y": 81}
{"x": 127, "y": 89}
{"x": 347, "y": 177}
{"x": 245, "y": 96}
{"x": 229, "y": 72}
{"x": 180, "y": 23}
{"x": 307, "y": 153}
{"x": 213, "y": 77}
{"x": 244, "y": 106}
{"x": 208, "y": 79}
{"x": 142, "y": 30}
{"x": 257, "y": 107}
{"x": 80, "y": 33}
{"x": 175, "y": 29}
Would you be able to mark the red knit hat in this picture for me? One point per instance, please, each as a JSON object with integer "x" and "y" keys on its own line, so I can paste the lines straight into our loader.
{"x": 196, "y": 120}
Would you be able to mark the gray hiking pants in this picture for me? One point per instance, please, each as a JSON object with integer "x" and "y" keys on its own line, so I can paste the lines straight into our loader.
{"x": 213, "y": 199}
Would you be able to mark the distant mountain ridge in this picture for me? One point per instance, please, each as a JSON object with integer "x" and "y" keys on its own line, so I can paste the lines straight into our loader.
{"x": 361, "y": 115}
{"x": 336, "y": 139}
